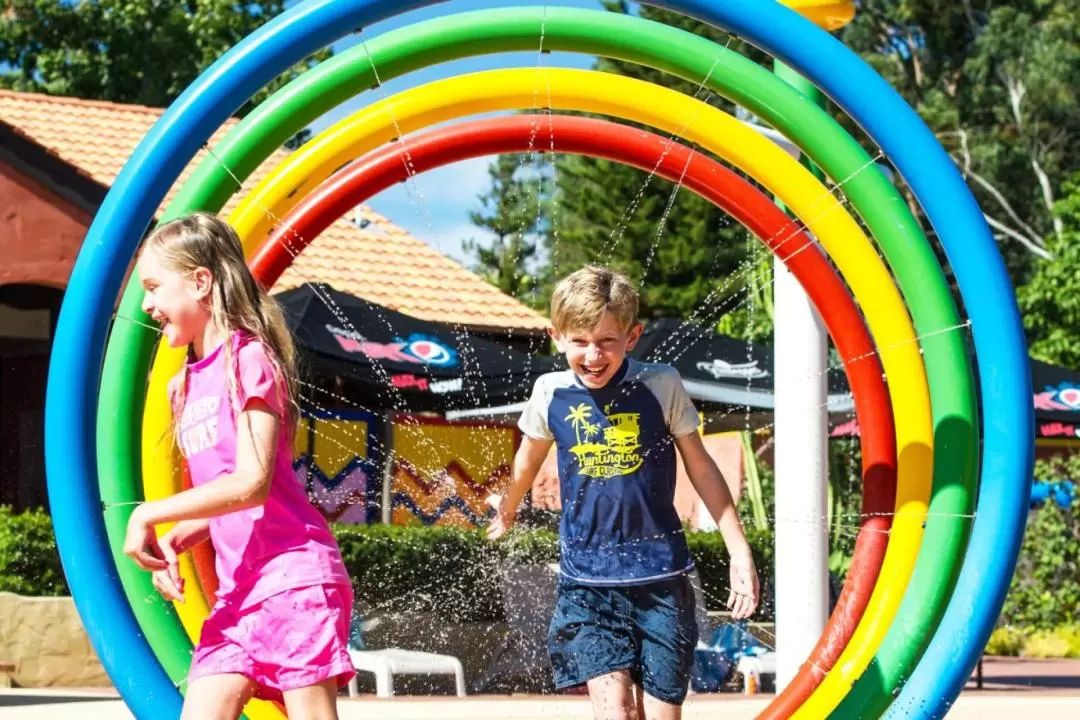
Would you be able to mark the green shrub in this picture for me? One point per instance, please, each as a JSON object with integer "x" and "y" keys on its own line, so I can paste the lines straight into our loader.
{"x": 1006, "y": 641}
{"x": 1072, "y": 639}
{"x": 448, "y": 571}
{"x": 1045, "y": 590}
{"x": 1046, "y": 644}
{"x": 29, "y": 561}
{"x": 1059, "y": 642}
{"x": 710, "y": 557}
{"x": 458, "y": 573}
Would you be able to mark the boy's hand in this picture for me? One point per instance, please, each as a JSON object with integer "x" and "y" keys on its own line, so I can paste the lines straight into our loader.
{"x": 743, "y": 597}
{"x": 504, "y": 520}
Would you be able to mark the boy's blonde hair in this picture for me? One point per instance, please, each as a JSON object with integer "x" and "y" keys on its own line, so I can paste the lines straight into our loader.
{"x": 237, "y": 302}
{"x": 581, "y": 299}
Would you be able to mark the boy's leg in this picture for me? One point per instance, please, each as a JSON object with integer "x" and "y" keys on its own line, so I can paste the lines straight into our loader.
{"x": 217, "y": 697}
{"x": 315, "y": 702}
{"x": 615, "y": 697}
{"x": 656, "y": 709}
{"x": 591, "y": 643}
{"x": 667, "y": 630}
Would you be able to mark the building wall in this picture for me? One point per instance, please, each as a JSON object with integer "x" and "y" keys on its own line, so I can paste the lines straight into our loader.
{"x": 40, "y": 235}
{"x": 40, "y": 232}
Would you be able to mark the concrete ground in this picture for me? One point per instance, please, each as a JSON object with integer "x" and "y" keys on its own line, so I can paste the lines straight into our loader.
{"x": 1047, "y": 689}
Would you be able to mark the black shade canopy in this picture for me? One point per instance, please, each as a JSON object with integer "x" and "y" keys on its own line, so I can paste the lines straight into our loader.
{"x": 720, "y": 369}
{"x": 402, "y": 362}
{"x": 1057, "y": 401}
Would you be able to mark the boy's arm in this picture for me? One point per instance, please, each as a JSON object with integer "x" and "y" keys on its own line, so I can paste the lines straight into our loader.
{"x": 709, "y": 482}
{"x": 712, "y": 488}
{"x": 530, "y": 456}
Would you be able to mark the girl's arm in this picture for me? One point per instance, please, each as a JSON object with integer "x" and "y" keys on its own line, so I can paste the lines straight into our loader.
{"x": 187, "y": 534}
{"x": 248, "y": 486}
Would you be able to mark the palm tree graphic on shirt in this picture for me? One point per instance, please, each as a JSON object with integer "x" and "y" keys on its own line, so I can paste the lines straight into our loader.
{"x": 617, "y": 454}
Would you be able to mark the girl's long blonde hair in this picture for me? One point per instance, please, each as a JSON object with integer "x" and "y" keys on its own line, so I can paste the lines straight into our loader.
{"x": 237, "y": 302}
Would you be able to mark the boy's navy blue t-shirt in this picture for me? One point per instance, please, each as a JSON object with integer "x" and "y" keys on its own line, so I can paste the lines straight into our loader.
{"x": 616, "y": 456}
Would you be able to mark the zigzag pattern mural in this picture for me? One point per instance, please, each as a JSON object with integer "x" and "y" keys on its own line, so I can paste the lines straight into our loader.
{"x": 437, "y": 466}
{"x": 336, "y": 463}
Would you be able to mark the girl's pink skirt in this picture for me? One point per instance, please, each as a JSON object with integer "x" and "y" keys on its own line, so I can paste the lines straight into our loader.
{"x": 293, "y": 639}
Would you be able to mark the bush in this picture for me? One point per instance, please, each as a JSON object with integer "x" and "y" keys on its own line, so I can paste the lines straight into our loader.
{"x": 1045, "y": 590}
{"x": 458, "y": 573}
{"x": 1060, "y": 642}
{"x": 29, "y": 561}
{"x": 448, "y": 571}
{"x": 1006, "y": 641}
{"x": 1046, "y": 644}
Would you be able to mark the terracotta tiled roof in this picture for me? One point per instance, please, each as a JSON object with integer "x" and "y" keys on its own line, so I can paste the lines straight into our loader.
{"x": 406, "y": 274}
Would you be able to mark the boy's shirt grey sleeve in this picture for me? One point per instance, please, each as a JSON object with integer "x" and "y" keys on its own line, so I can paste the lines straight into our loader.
{"x": 679, "y": 411}
{"x": 534, "y": 418}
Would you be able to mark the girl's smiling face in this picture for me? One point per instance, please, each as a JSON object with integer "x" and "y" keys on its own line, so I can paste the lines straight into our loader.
{"x": 177, "y": 302}
{"x": 596, "y": 355}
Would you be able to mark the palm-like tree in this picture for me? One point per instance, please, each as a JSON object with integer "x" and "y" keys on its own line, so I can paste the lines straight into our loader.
{"x": 578, "y": 417}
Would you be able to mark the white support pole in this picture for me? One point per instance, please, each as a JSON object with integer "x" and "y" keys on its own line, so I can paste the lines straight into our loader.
{"x": 802, "y": 546}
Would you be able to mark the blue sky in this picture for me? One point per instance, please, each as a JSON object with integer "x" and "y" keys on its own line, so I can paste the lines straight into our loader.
{"x": 435, "y": 206}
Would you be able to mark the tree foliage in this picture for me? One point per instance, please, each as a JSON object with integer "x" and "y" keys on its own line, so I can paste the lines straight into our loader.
{"x": 997, "y": 82}
{"x": 513, "y": 210}
{"x": 1050, "y": 303}
{"x": 686, "y": 254}
{"x": 126, "y": 51}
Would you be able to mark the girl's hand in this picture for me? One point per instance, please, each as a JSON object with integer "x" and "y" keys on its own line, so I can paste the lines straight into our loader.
{"x": 141, "y": 543}
{"x": 168, "y": 581}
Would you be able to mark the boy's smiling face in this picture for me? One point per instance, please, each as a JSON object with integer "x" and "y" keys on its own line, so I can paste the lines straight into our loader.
{"x": 596, "y": 355}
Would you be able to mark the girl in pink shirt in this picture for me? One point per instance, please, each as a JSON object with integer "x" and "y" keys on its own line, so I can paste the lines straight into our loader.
{"x": 280, "y": 627}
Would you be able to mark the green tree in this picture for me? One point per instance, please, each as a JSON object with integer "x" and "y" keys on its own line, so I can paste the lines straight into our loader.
{"x": 998, "y": 84}
{"x": 1050, "y": 303}
{"x": 687, "y": 255}
{"x": 121, "y": 51}
{"x": 513, "y": 210}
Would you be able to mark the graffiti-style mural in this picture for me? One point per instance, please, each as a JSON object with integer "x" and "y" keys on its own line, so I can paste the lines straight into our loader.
{"x": 444, "y": 472}
{"x": 337, "y": 459}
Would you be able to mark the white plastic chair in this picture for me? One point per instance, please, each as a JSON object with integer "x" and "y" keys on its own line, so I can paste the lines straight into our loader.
{"x": 384, "y": 664}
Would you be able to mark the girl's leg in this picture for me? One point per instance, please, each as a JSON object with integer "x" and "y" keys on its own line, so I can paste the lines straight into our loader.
{"x": 612, "y": 697}
{"x": 217, "y": 697}
{"x": 315, "y": 702}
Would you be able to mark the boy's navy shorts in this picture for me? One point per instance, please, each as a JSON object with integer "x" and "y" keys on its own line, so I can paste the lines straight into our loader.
{"x": 649, "y": 630}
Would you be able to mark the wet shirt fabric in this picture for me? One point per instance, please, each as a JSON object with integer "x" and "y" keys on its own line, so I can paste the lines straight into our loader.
{"x": 283, "y": 543}
{"x": 616, "y": 459}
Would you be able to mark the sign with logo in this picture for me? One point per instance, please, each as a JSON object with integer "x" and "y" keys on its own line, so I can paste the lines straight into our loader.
{"x": 721, "y": 369}
{"x": 1059, "y": 430}
{"x": 423, "y": 384}
{"x": 416, "y": 349}
{"x": 1065, "y": 396}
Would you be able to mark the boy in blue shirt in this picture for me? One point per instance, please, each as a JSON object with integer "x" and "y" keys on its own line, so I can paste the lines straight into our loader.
{"x": 624, "y": 616}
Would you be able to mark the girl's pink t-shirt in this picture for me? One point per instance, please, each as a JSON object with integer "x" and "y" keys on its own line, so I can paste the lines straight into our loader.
{"x": 285, "y": 542}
